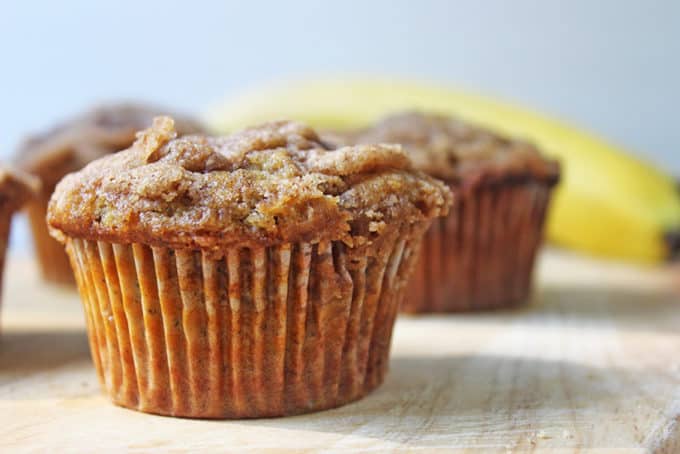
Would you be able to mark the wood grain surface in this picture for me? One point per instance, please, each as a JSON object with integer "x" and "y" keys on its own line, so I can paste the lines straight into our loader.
{"x": 591, "y": 365}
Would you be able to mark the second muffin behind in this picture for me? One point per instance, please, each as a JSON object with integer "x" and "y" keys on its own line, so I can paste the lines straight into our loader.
{"x": 68, "y": 147}
{"x": 481, "y": 256}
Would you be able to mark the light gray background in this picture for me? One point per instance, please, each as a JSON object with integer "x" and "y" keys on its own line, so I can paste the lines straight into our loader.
{"x": 610, "y": 66}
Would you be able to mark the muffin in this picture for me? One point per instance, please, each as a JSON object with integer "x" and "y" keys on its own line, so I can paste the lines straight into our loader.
{"x": 15, "y": 189}
{"x": 67, "y": 148}
{"x": 481, "y": 255}
{"x": 252, "y": 275}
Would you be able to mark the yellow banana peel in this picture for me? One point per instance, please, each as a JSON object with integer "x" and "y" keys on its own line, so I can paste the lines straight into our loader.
{"x": 608, "y": 203}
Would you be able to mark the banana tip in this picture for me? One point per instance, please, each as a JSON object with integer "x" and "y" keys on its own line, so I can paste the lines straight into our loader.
{"x": 672, "y": 240}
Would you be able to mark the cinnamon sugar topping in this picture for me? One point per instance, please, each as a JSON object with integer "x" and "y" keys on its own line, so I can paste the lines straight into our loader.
{"x": 266, "y": 185}
{"x": 454, "y": 150}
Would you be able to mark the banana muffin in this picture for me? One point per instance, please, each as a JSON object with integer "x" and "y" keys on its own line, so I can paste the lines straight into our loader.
{"x": 67, "y": 148}
{"x": 252, "y": 275}
{"x": 481, "y": 255}
{"x": 15, "y": 189}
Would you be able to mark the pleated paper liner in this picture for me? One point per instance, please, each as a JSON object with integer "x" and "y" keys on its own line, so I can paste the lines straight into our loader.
{"x": 5, "y": 223}
{"x": 54, "y": 263}
{"x": 481, "y": 256}
{"x": 259, "y": 332}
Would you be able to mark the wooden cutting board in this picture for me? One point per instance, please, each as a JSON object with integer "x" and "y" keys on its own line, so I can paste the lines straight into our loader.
{"x": 592, "y": 364}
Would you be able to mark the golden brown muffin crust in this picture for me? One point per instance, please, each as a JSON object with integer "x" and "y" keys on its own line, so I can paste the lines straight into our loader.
{"x": 266, "y": 185}
{"x": 16, "y": 188}
{"x": 456, "y": 151}
{"x": 88, "y": 136}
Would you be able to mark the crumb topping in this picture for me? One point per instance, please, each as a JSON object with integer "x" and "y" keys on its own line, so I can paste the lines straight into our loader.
{"x": 278, "y": 182}
{"x": 456, "y": 151}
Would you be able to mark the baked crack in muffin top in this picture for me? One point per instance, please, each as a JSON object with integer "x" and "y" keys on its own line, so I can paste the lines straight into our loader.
{"x": 275, "y": 183}
{"x": 456, "y": 151}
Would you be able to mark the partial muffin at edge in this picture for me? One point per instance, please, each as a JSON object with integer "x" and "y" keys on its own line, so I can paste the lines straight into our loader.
{"x": 16, "y": 188}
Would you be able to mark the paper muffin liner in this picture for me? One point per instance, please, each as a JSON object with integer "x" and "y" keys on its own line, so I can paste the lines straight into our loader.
{"x": 54, "y": 263}
{"x": 481, "y": 256}
{"x": 5, "y": 224}
{"x": 256, "y": 332}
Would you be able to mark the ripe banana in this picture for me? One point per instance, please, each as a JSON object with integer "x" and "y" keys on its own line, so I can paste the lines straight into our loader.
{"x": 608, "y": 204}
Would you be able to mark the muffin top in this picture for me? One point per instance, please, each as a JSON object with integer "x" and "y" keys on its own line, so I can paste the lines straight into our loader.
{"x": 86, "y": 137}
{"x": 16, "y": 188}
{"x": 266, "y": 185}
{"x": 455, "y": 151}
